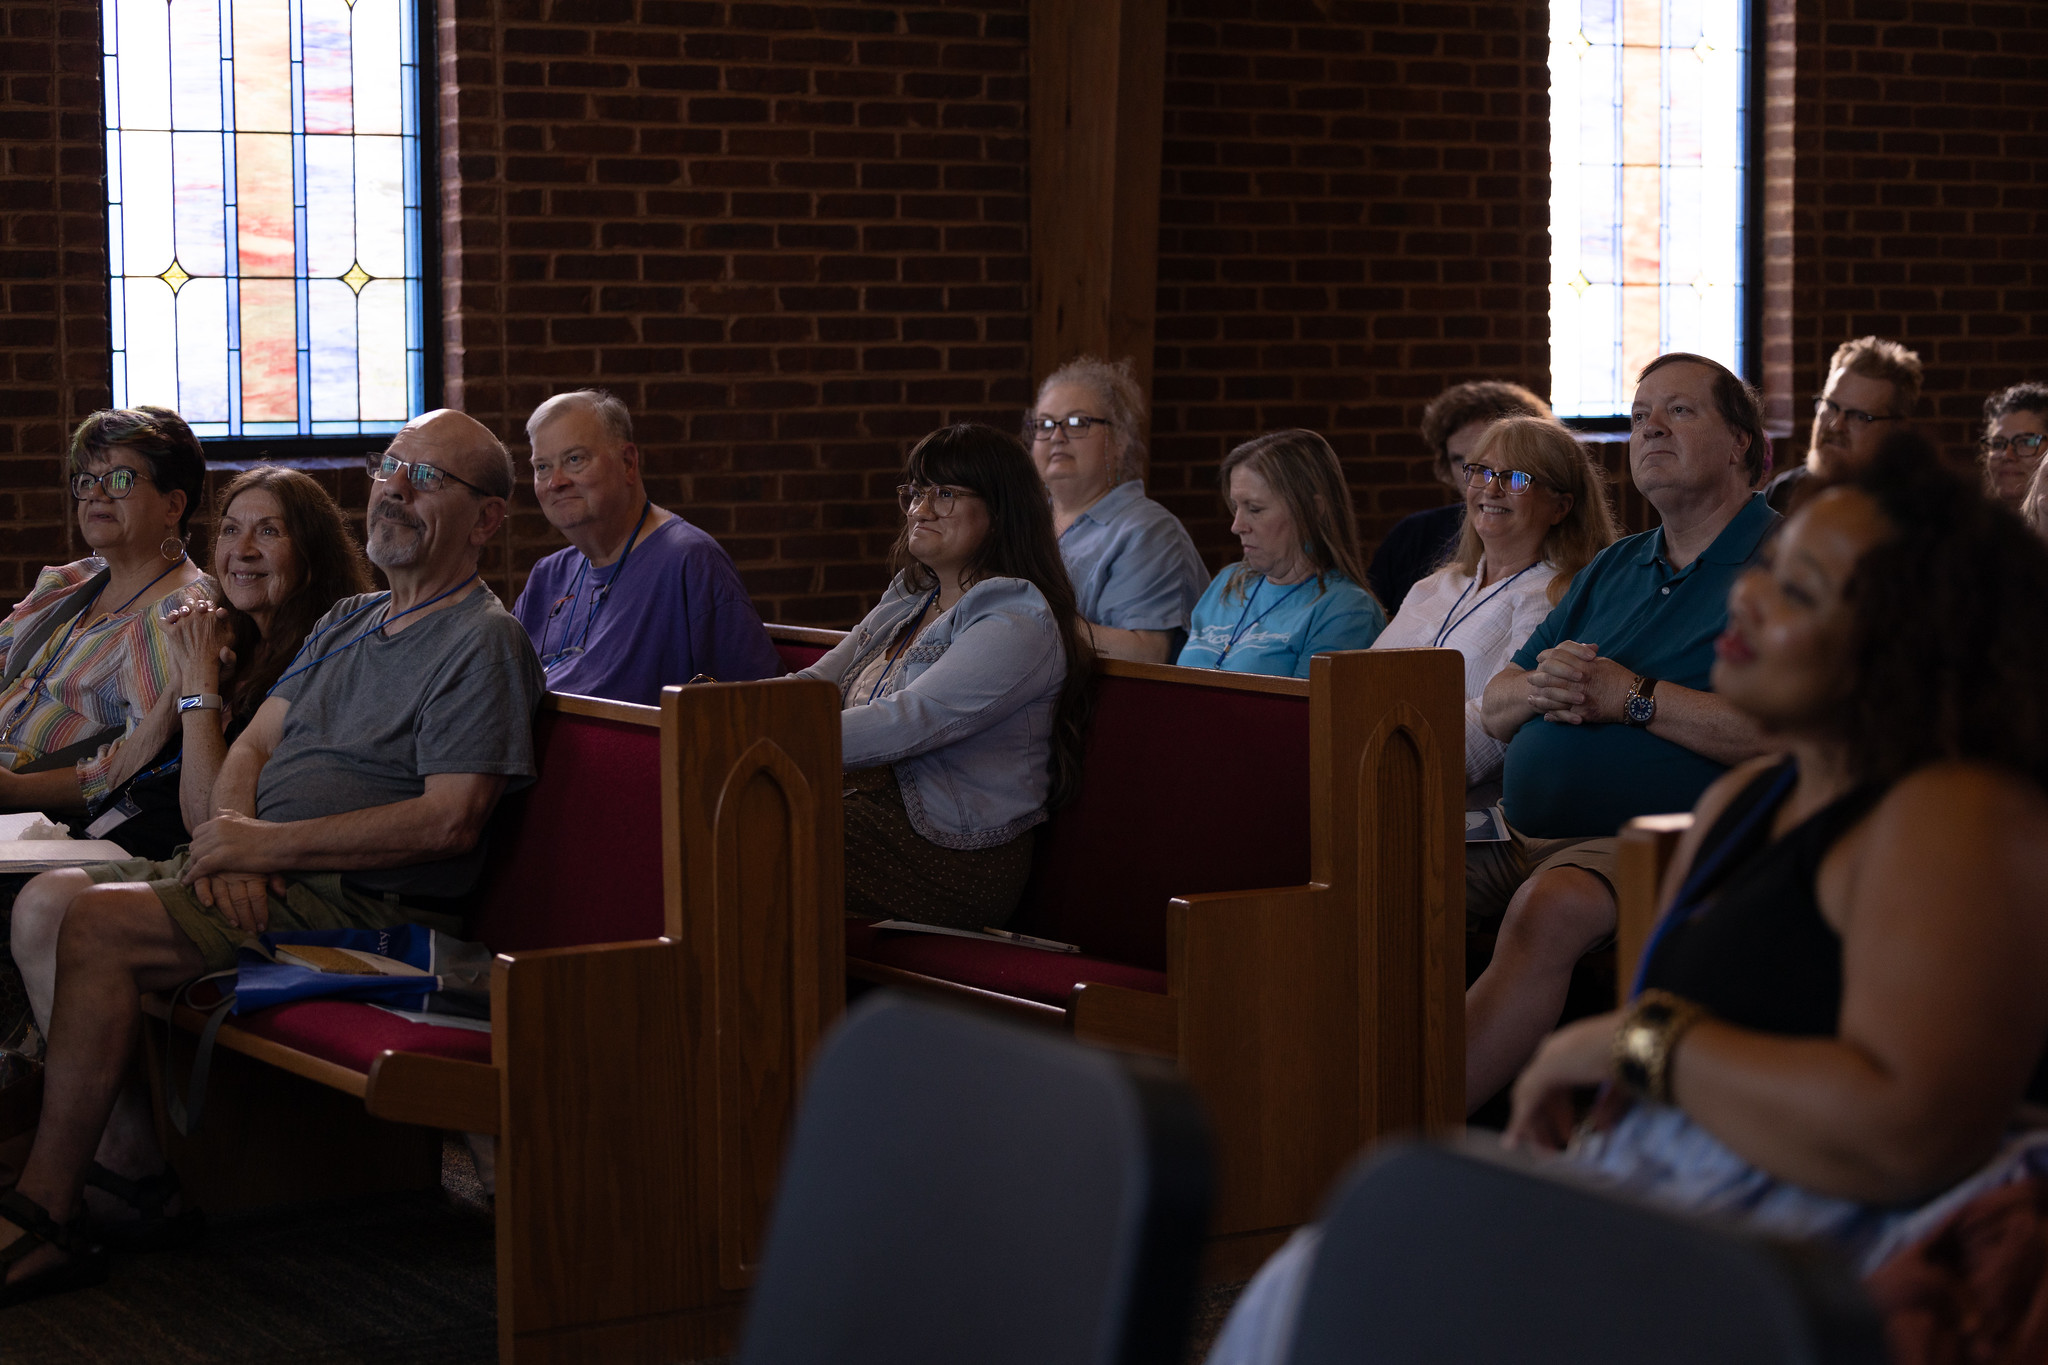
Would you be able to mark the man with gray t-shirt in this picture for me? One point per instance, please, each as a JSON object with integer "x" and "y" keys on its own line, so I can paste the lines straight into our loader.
{"x": 356, "y": 798}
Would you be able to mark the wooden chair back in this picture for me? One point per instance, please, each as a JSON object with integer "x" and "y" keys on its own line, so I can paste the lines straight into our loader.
{"x": 1648, "y": 844}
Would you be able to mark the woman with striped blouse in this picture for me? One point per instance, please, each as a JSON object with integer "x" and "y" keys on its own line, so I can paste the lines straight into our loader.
{"x": 85, "y": 653}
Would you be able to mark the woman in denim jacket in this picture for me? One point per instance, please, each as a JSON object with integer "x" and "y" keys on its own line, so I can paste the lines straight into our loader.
{"x": 963, "y": 691}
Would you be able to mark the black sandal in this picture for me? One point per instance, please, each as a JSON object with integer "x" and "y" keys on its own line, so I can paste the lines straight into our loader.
{"x": 152, "y": 1229}
{"x": 87, "y": 1265}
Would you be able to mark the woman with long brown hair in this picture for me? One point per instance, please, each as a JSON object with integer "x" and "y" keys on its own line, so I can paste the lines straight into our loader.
{"x": 964, "y": 691}
{"x": 283, "y": 555}
{"x": 1300, "y": 589}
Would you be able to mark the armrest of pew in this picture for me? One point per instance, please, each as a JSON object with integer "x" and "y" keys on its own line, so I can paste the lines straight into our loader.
{"x": 1647, "y": 845}
{"x": 439, "y": 1092}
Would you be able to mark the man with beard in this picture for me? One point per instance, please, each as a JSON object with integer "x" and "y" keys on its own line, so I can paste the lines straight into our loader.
{"x": 356, "y": 799}
{"x": 1872, "y": 386}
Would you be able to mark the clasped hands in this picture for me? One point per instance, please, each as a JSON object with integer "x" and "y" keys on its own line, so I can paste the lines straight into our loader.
{"x": 1573, "y": 685}
{"x": 234, "y": 870}
{"x": 200, "y": 641}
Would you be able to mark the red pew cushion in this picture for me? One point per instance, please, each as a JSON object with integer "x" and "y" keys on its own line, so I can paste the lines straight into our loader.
{"x": 1185, "y": 788}
{"x": 797, "y": 656}
{"x": 1027, "y": 973}
{"x": 354, "y": 1035}
{"x": 575, "y": 858}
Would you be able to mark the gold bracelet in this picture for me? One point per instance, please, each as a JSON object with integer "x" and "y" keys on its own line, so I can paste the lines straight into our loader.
{"x": 1645, "y": 1039}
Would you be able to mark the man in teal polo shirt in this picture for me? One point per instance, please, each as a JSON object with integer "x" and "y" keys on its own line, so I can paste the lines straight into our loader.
{"x": 1606, "y": 709}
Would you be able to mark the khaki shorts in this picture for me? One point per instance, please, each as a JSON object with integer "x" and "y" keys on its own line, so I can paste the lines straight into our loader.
{"x": 317, "y": 900}
{"x": 1494, "y": 872}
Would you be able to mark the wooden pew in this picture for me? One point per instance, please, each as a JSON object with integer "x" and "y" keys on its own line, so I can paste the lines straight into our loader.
{"x": 1285, "y": 917}
{"x": 1648, "y": 843}
{"x": 654, "y": 1005}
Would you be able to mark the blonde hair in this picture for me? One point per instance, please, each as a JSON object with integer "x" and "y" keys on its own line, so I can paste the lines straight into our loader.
{"x": 1303, "y": 473}
{"x": 1544, "y": 448}
{"x": 2034, "y": 507}
{"x": 1885, "y": 361}
{"x": 1115, "y": 386}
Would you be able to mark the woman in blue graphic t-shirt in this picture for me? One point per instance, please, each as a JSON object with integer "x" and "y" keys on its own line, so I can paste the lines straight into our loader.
{"x": 1300, "y": 589}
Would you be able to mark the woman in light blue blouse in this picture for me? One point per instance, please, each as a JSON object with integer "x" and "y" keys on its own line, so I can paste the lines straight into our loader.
{"x": 1300, "y": 589}
{"x": 963, "y": 693}
{"x": 1135, "y": 570}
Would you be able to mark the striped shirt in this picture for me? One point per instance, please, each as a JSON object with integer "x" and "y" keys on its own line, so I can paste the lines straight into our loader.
{"x": 106, "y": 674}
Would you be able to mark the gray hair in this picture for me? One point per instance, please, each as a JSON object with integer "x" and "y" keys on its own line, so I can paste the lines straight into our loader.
{"x": 611, "y": 413}
{"x": 1115, "y": 386}
{"x": 498, "y": 475}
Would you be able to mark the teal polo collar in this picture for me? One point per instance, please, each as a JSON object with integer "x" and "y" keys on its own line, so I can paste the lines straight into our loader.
{"x": 1735, "y": 545}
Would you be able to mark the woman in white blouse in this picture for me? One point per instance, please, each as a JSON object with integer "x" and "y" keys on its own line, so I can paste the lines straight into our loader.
{"x": 1535, "y": 514}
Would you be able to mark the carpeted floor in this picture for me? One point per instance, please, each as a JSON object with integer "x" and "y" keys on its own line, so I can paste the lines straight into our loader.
{"x": 408, "y": 1280}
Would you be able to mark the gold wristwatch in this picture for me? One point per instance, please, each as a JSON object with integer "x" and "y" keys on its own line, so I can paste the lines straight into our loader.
{"x": 1644, "y": 1039}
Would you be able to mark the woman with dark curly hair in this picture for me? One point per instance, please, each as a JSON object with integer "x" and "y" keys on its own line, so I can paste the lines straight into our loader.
{"x": 2015, "y": 432}
{"x": 964, "y": 691}
{"x": 1840, "y": 1012}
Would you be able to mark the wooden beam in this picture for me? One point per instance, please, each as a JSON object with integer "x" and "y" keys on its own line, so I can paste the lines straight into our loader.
{"x": 1098, "y": 93}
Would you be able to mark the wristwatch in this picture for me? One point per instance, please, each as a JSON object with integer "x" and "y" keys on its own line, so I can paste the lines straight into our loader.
{"x": 203, "y": 701}
{"x": 1644, "y": 1040}
{"x": 1640, "y": 708}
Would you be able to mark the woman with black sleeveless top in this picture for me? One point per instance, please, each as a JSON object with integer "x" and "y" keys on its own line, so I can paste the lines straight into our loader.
{"x": 1839, "y": 1013}
{"x": 1842, "y": 1007}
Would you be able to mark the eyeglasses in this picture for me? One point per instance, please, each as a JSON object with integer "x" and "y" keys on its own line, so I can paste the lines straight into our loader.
{"x": 118, "y": 482}
{"x": 1858, "y": 415}
{"x": 426, "y": 478}
{"x": 1042, "y": 428}
{"x": 1515, "y": 481}
{"x": 2025, "y": 446}
{"x": 942, "y": 499}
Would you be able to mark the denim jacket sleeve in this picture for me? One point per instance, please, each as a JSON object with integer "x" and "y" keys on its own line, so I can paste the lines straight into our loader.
{"x": 838, "y": 661}
{"x": 1002, "y": 654}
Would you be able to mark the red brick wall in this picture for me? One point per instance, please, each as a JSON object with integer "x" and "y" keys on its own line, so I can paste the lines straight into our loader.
{"x": 1354, "y": 217}
{"x": 791, "y": 238}
{"x": 1917, "y": 151}
{"x": 53, "y": 299}
{"x": 794, "y": 237}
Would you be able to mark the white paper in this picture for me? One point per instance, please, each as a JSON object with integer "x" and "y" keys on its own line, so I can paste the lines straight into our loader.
{"x": 35, "y": 855}
{"x": 17, "y": 826}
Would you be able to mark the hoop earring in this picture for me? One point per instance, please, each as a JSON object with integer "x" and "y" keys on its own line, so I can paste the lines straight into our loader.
{"x": 172, "y": 548}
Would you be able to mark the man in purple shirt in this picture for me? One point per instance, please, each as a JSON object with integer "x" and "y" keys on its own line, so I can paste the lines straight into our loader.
{"x": 641, "y": 598}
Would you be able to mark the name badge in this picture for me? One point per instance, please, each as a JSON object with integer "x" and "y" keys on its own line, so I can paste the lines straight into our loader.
{"x": 115, "y": 816}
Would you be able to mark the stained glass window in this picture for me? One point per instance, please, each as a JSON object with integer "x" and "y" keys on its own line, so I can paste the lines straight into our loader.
{"x": 1648, "y": 157}
{"x": 263, "y": 212}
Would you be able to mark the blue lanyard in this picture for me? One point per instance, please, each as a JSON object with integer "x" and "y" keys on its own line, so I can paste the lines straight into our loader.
{"x": 1690, "y": 900}
{"x": 1251, "y": 597}
{"x": 384, "y": 600}
{"x": 902, "y": 647}
{"x": 35, "y": 685}
{"x": 1444, "y": 632}
{"x": 597, "y": 598}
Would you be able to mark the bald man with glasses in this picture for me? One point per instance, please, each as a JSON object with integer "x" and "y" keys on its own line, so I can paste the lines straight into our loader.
{"x": 355, "y": 799}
